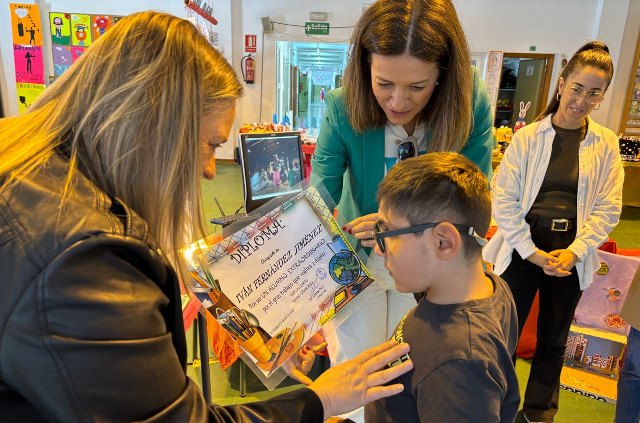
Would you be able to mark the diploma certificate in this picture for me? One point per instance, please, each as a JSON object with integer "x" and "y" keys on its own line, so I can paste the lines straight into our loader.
{"x": 275, "y": 282}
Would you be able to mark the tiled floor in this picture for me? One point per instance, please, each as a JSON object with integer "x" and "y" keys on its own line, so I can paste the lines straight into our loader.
{"x": 227, "y": 187}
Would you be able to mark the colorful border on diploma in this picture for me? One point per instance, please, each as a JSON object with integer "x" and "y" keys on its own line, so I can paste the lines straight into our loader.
{"x": 273, "y": 284}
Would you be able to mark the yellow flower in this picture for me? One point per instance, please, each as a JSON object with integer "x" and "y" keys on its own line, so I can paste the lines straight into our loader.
{"x": 504, "y": 134}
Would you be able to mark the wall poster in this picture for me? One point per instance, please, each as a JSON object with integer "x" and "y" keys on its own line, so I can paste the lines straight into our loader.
{"x": 72, "y": 34}
{"x": 26, "y": 29}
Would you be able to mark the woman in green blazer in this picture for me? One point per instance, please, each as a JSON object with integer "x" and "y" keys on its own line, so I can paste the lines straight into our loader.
{"x": 408, "y": 89}
{"x": 340, "y": 149}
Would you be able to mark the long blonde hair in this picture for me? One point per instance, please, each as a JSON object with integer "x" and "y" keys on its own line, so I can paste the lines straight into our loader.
{"x": 426, "y": 29}
{"x": 128, "y": 113}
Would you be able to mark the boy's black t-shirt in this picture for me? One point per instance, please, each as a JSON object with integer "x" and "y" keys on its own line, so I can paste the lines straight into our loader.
{"x": 462, "y": 363}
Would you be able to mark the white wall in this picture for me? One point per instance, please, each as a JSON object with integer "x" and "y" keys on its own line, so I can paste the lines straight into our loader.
{"x": 554, "y": 26}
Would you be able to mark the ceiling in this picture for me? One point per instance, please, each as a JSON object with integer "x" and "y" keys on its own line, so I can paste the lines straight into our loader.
{"x": 319, "y": 56}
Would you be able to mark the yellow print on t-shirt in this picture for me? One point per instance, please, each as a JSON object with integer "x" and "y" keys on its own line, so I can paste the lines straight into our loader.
{"x": 397, "y": 336}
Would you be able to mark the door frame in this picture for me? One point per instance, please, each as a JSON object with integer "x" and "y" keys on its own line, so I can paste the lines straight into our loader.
{"x": 548, "y": 70}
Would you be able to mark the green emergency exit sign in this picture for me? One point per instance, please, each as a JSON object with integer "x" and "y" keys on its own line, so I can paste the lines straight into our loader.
{"x": 316, "y": 28}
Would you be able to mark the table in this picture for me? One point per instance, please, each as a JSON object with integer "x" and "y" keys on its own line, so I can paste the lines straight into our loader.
{"x": 190, "y": 307}
{"x": 631, "y": 187}
{"x": 208, "y": 330}
{"x": 190, "y": 311}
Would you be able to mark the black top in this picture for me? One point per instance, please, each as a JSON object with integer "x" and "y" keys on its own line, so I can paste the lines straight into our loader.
{"x": 91, "y": 316}
{"x": 557, "y": 198}
{"x": 462, "y": 363}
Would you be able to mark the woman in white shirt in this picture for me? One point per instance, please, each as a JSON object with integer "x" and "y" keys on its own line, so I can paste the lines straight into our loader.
{"x": 557, "y": 196}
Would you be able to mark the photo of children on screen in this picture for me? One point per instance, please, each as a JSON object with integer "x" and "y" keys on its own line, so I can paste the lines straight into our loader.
{"x": 274, "y": 164}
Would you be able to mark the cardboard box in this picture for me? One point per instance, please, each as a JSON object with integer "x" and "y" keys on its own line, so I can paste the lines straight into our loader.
{"x": 600, "y": 352}
{"x": 592, "y": 363}
{"x": 589, "y": 384}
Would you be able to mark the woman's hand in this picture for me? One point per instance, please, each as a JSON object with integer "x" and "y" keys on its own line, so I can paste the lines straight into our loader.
{"x": 542, "y": 259}
{"x": 359, "y": 381}
{"x": 362, "y": 229}
{"x": 565, "y": 261}
{"x": 555, "y": 270}
{"x": 299, "y": 366}
{"x": 549, "y": 262}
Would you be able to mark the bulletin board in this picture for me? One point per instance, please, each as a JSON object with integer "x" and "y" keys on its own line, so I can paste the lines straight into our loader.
{"x": 72, "y": 33}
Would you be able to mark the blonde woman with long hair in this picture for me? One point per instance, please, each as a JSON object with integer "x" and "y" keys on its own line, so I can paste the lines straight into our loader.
{"x": 94, "y": 179}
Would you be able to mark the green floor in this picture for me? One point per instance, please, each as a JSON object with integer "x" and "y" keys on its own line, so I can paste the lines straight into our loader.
{"x": 227, "y": 187}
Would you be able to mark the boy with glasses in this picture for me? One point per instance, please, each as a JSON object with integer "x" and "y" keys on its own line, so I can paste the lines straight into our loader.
{"x": 464, "y": 329}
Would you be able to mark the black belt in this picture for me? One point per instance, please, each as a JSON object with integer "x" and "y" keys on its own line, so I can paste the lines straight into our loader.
{"x": 561, "y": 225}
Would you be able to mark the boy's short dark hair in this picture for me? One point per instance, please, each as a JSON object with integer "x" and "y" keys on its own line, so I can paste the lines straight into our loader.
{"x": 440, "y": 186}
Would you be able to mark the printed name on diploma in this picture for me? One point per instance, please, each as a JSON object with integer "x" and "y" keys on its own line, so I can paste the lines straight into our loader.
{"x": 308, "y": 238}
{"x": 252, "y": 246}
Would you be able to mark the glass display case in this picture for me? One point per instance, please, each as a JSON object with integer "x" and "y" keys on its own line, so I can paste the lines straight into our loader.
{"x": 630, "y": 122}
{"x": 525, "y": 79}
{"x": 504, "y": 105}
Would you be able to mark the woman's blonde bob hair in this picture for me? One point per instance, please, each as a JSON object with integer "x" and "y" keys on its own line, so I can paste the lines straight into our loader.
{"x": 128, "y": 115}
{"x": 428, "y": 30}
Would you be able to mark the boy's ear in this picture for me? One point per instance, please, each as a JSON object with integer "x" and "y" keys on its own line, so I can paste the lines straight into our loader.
{"x": 448, "y": 240}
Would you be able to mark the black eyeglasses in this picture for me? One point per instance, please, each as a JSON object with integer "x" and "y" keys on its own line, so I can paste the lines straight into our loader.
{"x": 407, "y": 148}
{"x": 381, "y": 235}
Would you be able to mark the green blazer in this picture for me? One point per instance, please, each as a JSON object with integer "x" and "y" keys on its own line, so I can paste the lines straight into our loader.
{"x": 351, "y": 165}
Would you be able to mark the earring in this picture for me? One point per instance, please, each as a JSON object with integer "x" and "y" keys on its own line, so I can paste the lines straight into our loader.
{"x": 558, "y": 96}
{"x": 437, "y": 83}
{"x": 597, "y": 107}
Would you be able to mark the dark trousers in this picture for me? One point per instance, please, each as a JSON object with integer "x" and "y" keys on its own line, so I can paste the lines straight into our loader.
{"x": 559, "y": 298}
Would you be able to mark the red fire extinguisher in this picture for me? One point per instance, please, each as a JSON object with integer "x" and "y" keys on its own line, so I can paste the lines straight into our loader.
{"x": 248, "y": 69}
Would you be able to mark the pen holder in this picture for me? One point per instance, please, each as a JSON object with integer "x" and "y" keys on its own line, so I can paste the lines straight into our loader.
{"x": 221, "y": 303}
{"x": 255, "y": 346}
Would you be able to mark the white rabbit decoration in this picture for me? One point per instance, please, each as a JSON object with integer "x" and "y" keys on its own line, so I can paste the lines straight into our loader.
{"x": 520, "y": 123}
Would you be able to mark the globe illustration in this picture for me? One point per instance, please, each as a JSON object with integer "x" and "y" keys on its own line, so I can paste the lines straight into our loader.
{"x": 344, "y": 267}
